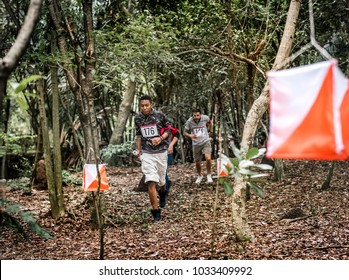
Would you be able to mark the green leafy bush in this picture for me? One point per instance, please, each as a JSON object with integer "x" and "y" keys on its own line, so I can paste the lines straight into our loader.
{"x": 247, "y": 168}
{"x": 70, "y": 178}
{"x": 17, "y": 144}
{"x": 118, "y": 155}
{"x": 22, "y": 184}
{"x": 16, "y": 148}
{"x": 12, "y": 217}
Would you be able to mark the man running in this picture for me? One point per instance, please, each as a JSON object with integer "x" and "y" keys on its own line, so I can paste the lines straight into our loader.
{"x": 196, "y": 129}
{"x": 152, "y": 148}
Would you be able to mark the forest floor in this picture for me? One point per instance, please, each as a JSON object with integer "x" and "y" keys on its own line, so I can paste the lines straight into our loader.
{"x": 185, "y": 230}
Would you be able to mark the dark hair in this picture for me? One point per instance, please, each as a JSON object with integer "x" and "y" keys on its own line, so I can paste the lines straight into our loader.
{"x": 197, "y": 110}
{"x": 146, "y": 97}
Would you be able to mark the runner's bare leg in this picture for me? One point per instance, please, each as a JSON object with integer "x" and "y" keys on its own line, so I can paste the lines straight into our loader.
{"x": 153, "y": 195}
{"x": 198, "y": 167}
{"x": 208, "y": 163}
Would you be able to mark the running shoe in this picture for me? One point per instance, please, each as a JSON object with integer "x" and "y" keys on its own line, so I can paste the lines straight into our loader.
{"x": 199, "y": 179}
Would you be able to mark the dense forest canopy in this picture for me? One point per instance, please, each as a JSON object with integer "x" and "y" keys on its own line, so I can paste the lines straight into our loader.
{"x": 183, "y": 53}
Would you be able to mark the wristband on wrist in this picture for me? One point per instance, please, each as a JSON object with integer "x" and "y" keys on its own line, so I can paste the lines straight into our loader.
{"x": 162, "y": 138}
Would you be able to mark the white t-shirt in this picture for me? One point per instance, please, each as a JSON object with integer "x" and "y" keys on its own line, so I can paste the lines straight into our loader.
{"x": 199, "y": 129}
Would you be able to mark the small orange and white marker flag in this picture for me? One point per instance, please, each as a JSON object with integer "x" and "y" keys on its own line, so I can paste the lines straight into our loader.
{"x": 309, "y": 113}
{"x": 224, "y": 166}
{"x": 90, "y": 178}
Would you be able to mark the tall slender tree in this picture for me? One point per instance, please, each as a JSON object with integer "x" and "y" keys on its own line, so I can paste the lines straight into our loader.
{"x": 52, "y": 163}
{"x": 124, "y": 112}
{"x": 79, "y": 70}
{"x": 260, "y": 105}
{"x": 9, "y": 63}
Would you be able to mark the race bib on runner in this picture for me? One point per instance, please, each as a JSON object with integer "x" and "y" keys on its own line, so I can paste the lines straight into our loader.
{"x": 149, "y": 131}
{"x": 198, "y": 130}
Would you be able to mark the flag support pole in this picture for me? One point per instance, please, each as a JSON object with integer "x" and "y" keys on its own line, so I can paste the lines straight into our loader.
{"x": 323, "y": 52}
{"x": 213, "y": 238}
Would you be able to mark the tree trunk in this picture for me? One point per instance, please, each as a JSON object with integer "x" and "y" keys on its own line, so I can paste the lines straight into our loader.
{"x": 57, "y": 157}
{"x": 89, "y": 126}
{"x": 236, "y": 91}
{"x": 124, "y": 112}
{"x": 54, "y": 197}
{"x": 326, "y": 185}
{"x": 279, "y": 172}
{"x": 260, "y": 105}
{"x": 9, "y": 63}
{"x": 241, "y": 229}
{"x": 74, "y": 131}
{"x": 81, "y": 78}
{"x": 38, "y": 154}
{"x": 5, "y": 118}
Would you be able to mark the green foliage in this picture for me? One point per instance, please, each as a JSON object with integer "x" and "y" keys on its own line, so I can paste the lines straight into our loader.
{"x": 227, "y": 187}
{"x": 20, "y": 166}
{"x": 17, "y": 144}
{"x": 14, "y": 217}
{"x": 9, "y": 145}
{"x": 19, "y": 121}
{"x": 22, "y": 184}
{"x": 117, "y": 155}
{"x": 252, "y": 153}
{"x": 70, "y": 178}
{"x": 20, "y": 88}
{"x": 244, "y": 166}
{"x": 256, "y": 189}
{"x": 24, "y": 83}
{"x": 139, "y": 48}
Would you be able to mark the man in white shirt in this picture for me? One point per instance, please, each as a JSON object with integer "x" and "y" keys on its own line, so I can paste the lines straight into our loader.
{"x": 196, "y": 129}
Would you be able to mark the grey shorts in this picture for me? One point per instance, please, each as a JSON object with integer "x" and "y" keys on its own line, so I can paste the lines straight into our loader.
{"x": 202, "y": 149}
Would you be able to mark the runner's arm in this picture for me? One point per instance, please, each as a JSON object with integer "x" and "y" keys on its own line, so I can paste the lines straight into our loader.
{"x": 138, "y": 143}
{"x": 166, "y": 125}
{"x": 209, "y": 125}
{"x": 186, "y": 133}
{"x": 173, "y": 142}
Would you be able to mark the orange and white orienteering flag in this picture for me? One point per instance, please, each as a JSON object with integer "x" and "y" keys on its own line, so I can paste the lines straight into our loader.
{"x": 224, "y": 166}
{"x": 309, "y": 113}
{"x": 90, "y": 180}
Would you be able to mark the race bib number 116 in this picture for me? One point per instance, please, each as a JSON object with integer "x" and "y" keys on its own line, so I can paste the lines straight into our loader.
{"x": 149, "y": 131}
